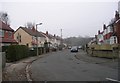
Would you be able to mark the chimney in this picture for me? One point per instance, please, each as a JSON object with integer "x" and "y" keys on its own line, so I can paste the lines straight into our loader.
{"x": 54, "y": 35}
{"x": 98, "y": 31}
{"x": 46, "y": 32}
{"x": 116, "y": 15}
{"x": 104, "y": 27}
{"x": 33, "y": 29}
{"x": 95, "y": 36}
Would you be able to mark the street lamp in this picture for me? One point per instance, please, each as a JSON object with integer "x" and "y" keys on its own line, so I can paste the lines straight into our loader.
{"x": 37, "y": 36}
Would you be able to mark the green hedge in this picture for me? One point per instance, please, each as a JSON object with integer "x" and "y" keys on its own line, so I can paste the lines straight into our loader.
{"x": 17, "y": 52}
{"x": 4, "y": 48}
{"x": 33, "y": 52}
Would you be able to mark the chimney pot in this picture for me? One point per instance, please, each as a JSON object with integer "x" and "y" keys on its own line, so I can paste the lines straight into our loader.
{"x": 46, "y": 32}
{"x": 104, "y": 27}
{"x": 98, "y": 31}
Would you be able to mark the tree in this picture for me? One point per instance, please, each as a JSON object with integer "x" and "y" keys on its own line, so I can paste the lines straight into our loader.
{"x": 30, "y": 25}
{"x": 4, "y": 17}
{"x": 77, "y": 40}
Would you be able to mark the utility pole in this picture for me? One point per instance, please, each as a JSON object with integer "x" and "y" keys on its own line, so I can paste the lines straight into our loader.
{"x": 61, "y": 33}
{"x": 61, "y": 39}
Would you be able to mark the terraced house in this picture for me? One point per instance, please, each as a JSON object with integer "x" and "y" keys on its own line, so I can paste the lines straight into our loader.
{"x": 6, "y": 35}
{"x": 53, "y": 40}
{"x": 111, "y": 33}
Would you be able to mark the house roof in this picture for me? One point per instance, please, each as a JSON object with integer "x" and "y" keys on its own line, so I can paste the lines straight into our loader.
{"x": 32, "y": 32}
{"x": 58, "y": 38}
{"x": 117, "y": 21}
{"x": 5, "y": 26}
{"x": 48, "y": 35}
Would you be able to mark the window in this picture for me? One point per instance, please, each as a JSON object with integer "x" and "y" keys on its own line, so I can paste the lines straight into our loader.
{"x": 10, "y": 34}
{"x": 1, "y": 33}
{"x": 19, "y": 37}
{"x": 115, "y": 39}
{"x": 27, "y": 45}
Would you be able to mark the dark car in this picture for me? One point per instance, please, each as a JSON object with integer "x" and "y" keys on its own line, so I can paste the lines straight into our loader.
{"x": 74, "y": 49}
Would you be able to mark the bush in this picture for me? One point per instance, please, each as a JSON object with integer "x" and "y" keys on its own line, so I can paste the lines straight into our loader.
{"x": 4, "y": 48}
{"x": 17, "y": 52}
{"x": 33, "y": 52}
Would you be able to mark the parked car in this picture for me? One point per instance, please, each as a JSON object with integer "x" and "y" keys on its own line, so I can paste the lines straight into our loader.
{"x": 69, "y": 47}
{"x": 79, "y": 47}
{"x": 74, "y": 49}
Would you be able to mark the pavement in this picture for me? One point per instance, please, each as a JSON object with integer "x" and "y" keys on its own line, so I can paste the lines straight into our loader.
{"x": 83, "y": 56}
{"x": 16, "y": 71}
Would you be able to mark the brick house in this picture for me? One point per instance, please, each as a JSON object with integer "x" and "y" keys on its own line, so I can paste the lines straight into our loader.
{"x": 117, "y": 27}
{"x": 6, "y": 35}
{"x": 112, "y": 31}
{"x": 107, "y": 32}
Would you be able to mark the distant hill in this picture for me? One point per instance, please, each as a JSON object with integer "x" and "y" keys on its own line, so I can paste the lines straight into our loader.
{"x": 77, "y": 40}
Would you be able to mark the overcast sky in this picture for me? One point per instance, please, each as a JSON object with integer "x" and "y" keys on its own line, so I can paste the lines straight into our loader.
{"x": 76, "y": 18}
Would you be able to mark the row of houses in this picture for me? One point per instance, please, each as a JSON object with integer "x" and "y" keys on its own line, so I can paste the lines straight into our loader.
{"x": 110, "y": 34}
{"x": 26, "y": 36}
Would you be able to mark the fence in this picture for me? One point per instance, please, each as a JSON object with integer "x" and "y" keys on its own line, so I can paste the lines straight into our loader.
{"x": 2, "y": 63}
{"x": 2, "y": 59}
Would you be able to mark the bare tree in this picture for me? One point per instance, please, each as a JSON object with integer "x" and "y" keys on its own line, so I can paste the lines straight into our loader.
{"x": 4, "y": 17}
{"x": 30, "y": 25}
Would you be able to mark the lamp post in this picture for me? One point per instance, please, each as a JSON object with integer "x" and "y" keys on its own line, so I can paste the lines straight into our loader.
{"x": 61, "y": 40}
{"x": 37, "y": 37}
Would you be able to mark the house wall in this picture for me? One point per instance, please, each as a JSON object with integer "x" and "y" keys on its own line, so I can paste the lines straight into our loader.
{"x": 25, "y": 37}
{"x": 118, "y": 31}
{"x": 113, "y": 40}
{"x": 100, "y": 38}
{"x": 4, "y": 34}
{"x": 41, "y": 41}
{"x": 58, "y": 42}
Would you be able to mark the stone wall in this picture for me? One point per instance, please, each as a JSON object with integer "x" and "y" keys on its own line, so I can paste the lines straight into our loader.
{"x": 107, "y": 52}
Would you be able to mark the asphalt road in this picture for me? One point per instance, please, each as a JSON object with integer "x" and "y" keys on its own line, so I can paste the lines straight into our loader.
{"x": 64, "y": 66}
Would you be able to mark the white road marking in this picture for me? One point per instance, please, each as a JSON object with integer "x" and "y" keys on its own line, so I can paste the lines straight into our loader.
{"x": 113, "y": 80}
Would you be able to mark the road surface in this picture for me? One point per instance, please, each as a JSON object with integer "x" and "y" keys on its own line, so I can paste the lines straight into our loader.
{"x": 64, "y": 66}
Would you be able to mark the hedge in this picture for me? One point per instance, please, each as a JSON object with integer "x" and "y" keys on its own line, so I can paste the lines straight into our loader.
{"x": 17, "y": 52}
{"x": 4, "y": 48}
{"x": 33, "y": 52}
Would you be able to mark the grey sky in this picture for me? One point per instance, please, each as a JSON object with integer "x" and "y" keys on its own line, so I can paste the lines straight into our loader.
{"x": 75, "y": 18}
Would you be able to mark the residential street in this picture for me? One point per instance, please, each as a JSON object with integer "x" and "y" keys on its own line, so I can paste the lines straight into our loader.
{"x": 67, "y": 66}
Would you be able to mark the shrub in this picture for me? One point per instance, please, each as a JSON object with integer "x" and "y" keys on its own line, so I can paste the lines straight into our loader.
{"x": 4, "y": 48}
{"x": 33, "y": 52}
{"x": 17, "y": 52}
